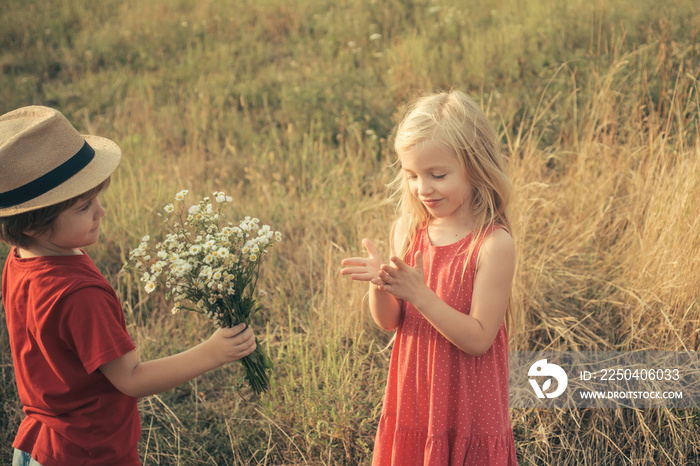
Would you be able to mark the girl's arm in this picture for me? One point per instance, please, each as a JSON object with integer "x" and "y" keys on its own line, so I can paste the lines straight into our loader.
{"x": 473, "y": 333}
{"x": 385, "y": 308}
{"x": 135, "y": 378}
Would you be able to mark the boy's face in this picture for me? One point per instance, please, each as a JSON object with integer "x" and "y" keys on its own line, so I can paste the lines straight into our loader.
{"x": 77, "y": 227}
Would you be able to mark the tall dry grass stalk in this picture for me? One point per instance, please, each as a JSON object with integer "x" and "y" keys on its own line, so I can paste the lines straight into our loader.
{"x": 607, "y": 218}
{"x": 607, "y": 234}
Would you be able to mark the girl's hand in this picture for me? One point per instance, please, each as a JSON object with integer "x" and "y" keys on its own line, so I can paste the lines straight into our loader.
{"x": 364, "y": 269}
{"x": 231, "y": 344}
{"x": 401, "y": 280}
{"x": 385, "y": 308}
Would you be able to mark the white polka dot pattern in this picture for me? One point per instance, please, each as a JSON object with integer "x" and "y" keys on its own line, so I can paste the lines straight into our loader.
{"x": 443, "y": 406}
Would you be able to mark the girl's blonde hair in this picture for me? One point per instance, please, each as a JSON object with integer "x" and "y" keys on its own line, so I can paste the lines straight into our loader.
{"x": 453, "y": 120}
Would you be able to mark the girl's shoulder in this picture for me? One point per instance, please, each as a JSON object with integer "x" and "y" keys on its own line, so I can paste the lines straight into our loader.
{"x": 498, "y": 248}
{"x": 400, "y": 235}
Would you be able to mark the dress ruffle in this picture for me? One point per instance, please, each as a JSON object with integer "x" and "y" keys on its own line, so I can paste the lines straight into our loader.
{"x": 469, "y": 450}
{"x": 415, "y": 447}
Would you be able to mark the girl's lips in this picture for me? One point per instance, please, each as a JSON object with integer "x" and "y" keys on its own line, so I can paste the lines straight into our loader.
{"x": 430, "y": 202}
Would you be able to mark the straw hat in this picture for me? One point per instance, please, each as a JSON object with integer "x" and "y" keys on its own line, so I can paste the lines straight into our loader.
{"x": 44, "y": 160}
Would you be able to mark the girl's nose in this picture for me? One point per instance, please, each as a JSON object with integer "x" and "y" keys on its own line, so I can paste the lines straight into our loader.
{"x": 424, "y": 186}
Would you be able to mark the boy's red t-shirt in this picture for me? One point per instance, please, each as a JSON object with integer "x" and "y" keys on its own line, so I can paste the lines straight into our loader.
{"x": 64, "y": 321}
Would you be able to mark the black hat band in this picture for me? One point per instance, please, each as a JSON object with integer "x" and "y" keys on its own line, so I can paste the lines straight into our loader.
{"x": 50, "y": 180}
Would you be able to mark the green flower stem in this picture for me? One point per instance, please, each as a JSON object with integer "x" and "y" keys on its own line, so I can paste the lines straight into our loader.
{"x": 256, "y": 366}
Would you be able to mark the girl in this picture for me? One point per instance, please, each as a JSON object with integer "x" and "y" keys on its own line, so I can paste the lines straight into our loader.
{"x": 446, "y": 291}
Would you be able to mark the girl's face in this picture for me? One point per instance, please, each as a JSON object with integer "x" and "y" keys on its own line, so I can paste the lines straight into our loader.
{"x": 436, "y": 178}
{"x": 77, "y": 227}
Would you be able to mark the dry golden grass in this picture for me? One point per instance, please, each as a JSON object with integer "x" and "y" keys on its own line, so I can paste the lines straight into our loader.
{"x": 290, "y": 109}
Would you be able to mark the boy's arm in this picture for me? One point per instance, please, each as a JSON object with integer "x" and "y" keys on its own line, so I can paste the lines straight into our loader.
{"x": 135, "y": 378}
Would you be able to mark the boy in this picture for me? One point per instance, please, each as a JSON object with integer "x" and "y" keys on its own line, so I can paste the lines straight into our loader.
{"x": 78, "y": 374}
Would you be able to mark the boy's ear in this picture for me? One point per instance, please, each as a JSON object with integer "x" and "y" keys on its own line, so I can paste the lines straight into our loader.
{"x": 34, "y": 234}
{"x": 30, "y": 233}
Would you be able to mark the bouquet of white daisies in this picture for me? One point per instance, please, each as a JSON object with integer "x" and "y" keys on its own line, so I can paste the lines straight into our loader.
{"x": 210, "y": 265}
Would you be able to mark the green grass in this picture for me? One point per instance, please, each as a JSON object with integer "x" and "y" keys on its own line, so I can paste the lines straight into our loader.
{"x": 290, "y": 108}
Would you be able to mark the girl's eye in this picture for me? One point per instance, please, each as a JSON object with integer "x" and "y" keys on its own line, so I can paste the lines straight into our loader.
{"x": 87, "y": 206}
{"x": 439, "y": 177}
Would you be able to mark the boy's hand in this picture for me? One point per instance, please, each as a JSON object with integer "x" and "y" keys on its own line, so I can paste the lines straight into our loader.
{"x": 363, "y": 268}
{"x": 135, "y": 378}
{"x": 231, "y": 344}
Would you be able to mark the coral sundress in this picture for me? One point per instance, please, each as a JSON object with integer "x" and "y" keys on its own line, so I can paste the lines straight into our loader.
{"x": 443, "y": 406}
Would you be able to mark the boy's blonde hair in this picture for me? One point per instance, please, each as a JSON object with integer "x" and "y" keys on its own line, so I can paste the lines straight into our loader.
{"x": 453, "y": 120}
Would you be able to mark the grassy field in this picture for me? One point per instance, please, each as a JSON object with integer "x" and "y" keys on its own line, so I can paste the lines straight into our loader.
{"x": 290, "y": 108}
